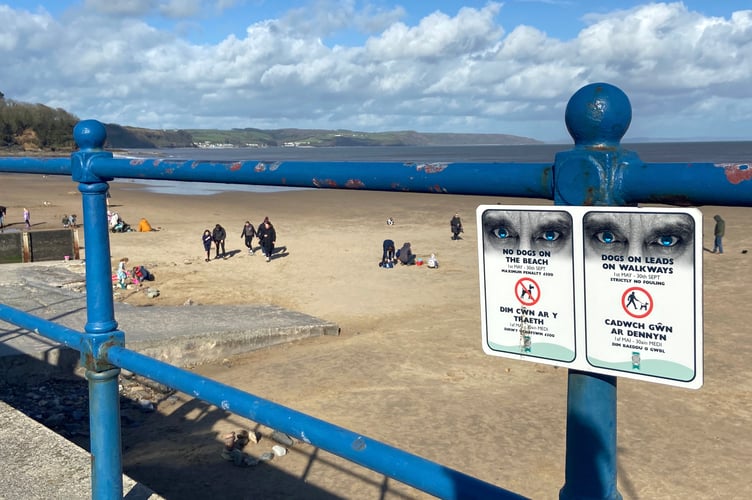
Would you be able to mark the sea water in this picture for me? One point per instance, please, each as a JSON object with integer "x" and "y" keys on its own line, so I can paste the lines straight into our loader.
{"x": 649, "y": 152}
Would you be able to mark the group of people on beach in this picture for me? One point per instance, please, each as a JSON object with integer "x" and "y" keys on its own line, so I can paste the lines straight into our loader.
{"x": 26, "y": 217}
{"x": 266, "y": 234}
{"x": 137, "y": 275}
{"x": 405, "y": 255}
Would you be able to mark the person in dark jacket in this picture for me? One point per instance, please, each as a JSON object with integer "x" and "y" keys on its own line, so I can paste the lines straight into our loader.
{"x": 718, "y": 232}
{"x": 140, "y": 274}
{"x": 456, "y": 225}
{"x": 387, "y": 256}
{"x": 218, "y": 236}
{"x": 405, "y": 255}
{"x": 248, "y": 233}
{"x": 267, "y": 237}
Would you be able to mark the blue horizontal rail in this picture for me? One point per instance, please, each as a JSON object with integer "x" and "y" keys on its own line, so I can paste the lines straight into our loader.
{"x": 529, "y": 180}
{"x": 45, "y": 166}
{"x": 682, "y": 184}
{"x": 410, "y": 469}
{"x": 415, "y": 471}
{"x": 688, "y": 184}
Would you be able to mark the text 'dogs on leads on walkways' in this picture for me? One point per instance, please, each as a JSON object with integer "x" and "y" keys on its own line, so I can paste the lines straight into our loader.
{"x": 527, "y": 282}
{"x": 612, "y": 290}
{"x": 642, "y": 283}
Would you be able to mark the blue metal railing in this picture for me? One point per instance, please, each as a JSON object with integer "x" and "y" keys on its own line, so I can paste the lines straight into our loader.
{"x": 597, "y": 171}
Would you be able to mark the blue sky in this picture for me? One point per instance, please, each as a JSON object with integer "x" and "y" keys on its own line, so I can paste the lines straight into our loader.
{"x": 440, "y": 66}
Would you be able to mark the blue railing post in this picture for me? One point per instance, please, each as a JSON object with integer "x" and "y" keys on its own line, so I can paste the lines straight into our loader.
{"x": 101, "y": 327}
{"x": 597, "y": 117}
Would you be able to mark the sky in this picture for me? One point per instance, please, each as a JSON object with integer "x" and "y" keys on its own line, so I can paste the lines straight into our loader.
{"x": 505, "y": 67}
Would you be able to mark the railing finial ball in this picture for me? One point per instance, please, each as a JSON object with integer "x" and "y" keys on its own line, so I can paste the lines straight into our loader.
{"x": 598, "y": 113}
{"x": 90, "y": 135}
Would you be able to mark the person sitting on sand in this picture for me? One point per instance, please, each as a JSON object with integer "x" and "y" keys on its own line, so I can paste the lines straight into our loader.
{"x": 144, "y": 226}
{"x": 405, "y": 255}
{"x": 139, "y": 274}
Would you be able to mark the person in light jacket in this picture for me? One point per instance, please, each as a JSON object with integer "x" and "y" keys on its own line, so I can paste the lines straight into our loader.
{"x": 248, "y": 233}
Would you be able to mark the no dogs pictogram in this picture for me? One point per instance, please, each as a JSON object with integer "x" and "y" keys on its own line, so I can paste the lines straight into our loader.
{"x": 637, "y": 302}
{"x": 527, "y": 291}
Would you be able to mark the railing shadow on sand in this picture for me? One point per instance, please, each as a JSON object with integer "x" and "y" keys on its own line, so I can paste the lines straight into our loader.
{"x": 597, "y": 171}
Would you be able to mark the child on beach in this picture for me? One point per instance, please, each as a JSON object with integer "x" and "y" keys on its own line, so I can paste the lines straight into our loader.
{"x": 207, "y": 240}
{"x": 122, "y": 274}
{"x": 27, "y": 218}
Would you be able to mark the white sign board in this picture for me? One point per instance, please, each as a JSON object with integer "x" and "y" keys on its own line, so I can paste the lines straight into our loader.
{"x": 612, "y": 290}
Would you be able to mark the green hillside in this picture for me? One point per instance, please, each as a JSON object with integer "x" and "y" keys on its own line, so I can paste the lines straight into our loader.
{"x": 31, "y": 128}
{"x": 251, "y": 137}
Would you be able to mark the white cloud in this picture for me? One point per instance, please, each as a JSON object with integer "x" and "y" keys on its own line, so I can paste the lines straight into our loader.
{"x": 121, "y": 7}
{"x": 444, "y": 73}
{"x": 179, "y": 9}
{"x": 438, "y": 36}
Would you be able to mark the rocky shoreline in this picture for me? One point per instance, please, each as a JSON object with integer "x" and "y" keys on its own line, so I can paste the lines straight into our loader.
{"x": 62, "y": 403}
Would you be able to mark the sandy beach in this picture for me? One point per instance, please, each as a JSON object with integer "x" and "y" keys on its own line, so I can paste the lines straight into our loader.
{"x": 407, "y": 367}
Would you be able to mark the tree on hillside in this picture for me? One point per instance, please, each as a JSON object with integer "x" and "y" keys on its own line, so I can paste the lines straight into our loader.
{"x": 35, "y": 125}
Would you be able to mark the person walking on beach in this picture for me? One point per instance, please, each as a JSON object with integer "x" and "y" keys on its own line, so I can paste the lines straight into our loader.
{"x": 2, "y": 217}
{"x": 456, "y": 225}
{"x": 248, "y": 233}
{"x": 219, "y": 235}
{"x": 206, "y": 238}
{"x": 27, "y": 218}
{"x": 719, "y": 232}
{"x": 267, "y": 237}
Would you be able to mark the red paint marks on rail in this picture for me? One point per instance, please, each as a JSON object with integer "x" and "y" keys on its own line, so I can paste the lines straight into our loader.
{"x": 432, "y": 168}
{"x": 737, "y": 172}
{"x": 329, "y": 183}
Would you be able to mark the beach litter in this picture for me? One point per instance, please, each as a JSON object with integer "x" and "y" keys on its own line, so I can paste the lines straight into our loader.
{"x": 282, "y": 438}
